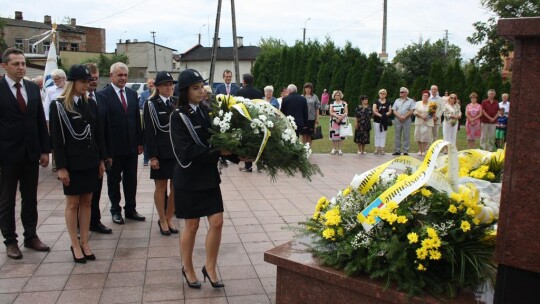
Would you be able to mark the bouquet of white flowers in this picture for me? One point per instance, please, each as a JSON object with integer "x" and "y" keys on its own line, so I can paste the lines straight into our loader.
{"x": 255, "y": 129}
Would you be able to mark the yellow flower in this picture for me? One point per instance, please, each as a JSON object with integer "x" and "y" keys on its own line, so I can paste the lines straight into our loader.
{"x": 402, "y": 177}
{"x": 427, "y": 243}
{"x": 465, "y": 226}
{"x": 346, "y": 191}
{"x": 421, "y": 253}
{"x": 434, "y": 255}
{"x": 456, "y": 197}
{"x": 332, "y": 217}
{"x": 490, "y": 175}
{"x": 452, "y": 209}
{"x": 340, "y": 231}
{"x": 391, "y": 206}
{"x": 436, "y": 242}
{"x": 425, "y": 192}
{"x": 431, "y": 232}
{"x": 316, "y": 214}
{"x": 402, "y": 219}
{"x": 413, "y": 238}
{"x": 470, "y": 211}
{"x": 371, "y": 220}
{"x": 421, "y": 267}
{"x": 328, "y": 233}
{"x": 476, "y": 221}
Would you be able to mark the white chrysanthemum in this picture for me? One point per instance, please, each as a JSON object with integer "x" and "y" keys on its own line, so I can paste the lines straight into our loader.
{"x": 220, "y": 113}
{"x": 262, "y": 117}
{"x": 216, "y": 121}
{"x": 269, "y": 124}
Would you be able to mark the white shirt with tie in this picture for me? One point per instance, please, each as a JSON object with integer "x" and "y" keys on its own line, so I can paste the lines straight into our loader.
{"x": 11, "y": 83}
{"x": 117, "y": 90}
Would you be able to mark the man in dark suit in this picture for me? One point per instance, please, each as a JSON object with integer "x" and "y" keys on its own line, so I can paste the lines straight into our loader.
{"x": 295, "y": 105}
{"x": 248, "y": 91}
{"x": 227, "y": 87}
{"x": 95, "y": 219}
{"x": 127, "y": 139}
{"x": 24, "y": 143}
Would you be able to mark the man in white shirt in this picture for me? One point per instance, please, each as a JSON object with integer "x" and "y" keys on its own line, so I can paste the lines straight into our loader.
{"x": 59, "y": 79}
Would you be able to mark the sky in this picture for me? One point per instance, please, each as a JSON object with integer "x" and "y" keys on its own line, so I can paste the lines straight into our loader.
{"x": 177, "y": 23}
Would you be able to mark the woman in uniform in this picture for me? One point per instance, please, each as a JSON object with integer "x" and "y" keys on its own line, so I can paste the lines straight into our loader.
{"x": 79, "y": 150}
{"x": 196, "y": 177}
{"x": 157, "y": 111}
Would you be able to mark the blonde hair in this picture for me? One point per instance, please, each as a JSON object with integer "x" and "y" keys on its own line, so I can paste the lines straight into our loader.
{"x": 67, "y": 96}
{"x": 383, "y": 91}
{"x": 337, "y": 92}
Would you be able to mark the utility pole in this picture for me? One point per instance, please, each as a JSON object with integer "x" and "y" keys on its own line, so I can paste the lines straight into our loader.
{"x": 235, "y": 44}
{"x": 304, "y": 39}
{"x": 445, "y": 43}
{"x": 215, "y": 46}
{"x": 383, "y": 55}
{"x": 155, "y": 57}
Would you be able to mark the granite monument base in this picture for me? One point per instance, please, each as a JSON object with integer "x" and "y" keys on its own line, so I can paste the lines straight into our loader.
{"x": 301, "y": 279}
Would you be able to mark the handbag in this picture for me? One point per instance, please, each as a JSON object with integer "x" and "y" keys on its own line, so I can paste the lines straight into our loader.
{"x": 346, "y": 130}
{"x": 317, "y": 133}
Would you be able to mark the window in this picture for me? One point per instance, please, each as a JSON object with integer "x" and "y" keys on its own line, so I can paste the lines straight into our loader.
{"x": 74, "y": 47}
{"x": 19, "y": 43}
{"x": 62, "y": 46}
{"x": 33, "y": 49}
{"x": 46, "y": 46}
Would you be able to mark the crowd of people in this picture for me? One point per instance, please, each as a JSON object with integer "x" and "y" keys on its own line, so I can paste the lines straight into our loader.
{"x": 93, "y": 132}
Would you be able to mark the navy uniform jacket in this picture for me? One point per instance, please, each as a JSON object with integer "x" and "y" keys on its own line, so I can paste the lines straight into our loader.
{"x": 222, "y": 89}
{"x": 23, "y": 136}
{"x": 126, "y": 131}
{"x": 296, "y": 106}
{"x": 158, "y": 142}
{"x": 202, "y": 173}
{"x": 71, "y": 153}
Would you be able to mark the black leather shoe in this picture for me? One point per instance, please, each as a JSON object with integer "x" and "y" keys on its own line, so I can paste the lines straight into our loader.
{"x": 100, "y": 228}
{"x": 163, "y": 232}
{"x": 396, "y": 153}
{"x": 173, "y": 230}
{"x": 216, "y": 284}
{"x": 13, "y": 251}
{"x": 76, "y": 259}
{"x": 36, "y": 244}
{"x": 117, "y": 219}
{"x": 406, "y": 154}
{"x": 134, "y": 215}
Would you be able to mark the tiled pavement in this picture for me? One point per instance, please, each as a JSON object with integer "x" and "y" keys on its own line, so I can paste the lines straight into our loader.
{"x": 136, "y": 264}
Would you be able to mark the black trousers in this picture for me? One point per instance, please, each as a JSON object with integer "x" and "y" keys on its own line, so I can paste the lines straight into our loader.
{"x": 124, "y": 169}
{"x": 95, "y": 215}
{"x": 26, "y": 173}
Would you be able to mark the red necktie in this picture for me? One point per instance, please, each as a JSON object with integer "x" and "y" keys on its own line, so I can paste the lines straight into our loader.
{"x": 20, "y": 98}
{"x": 124, "y": 104}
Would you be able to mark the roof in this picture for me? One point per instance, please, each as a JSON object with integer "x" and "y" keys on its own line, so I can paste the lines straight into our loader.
{"x": 40, "y": 25}
{"x": 200, "y": 53}
{"x": 144, "y": 42}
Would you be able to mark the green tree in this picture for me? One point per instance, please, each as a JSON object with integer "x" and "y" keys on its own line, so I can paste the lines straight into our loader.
{"x": 353, "y": 81}
{"x": 475, "y": 83}
{"x": 326, "y": 59}
{"x": 436, "y": 74}
{"x": 338, "y": 77}
{"x": 371, "y": 77}
{"x": 3, "y": 44}
{"x": 104, "y": 62}
{"x": 416, "y": 59}
{"x": 420, "y": 84}
{"x": 283, "y": 60}
{"x": 391, "y": 80}
{"x": 493, "y": 46}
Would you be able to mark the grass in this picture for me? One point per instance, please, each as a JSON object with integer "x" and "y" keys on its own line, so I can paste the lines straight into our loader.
{"x": 324, "y": 145}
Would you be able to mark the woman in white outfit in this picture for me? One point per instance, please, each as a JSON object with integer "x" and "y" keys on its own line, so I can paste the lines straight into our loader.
{"x": 381, "y": 113}
{"x": 452, "y": 114}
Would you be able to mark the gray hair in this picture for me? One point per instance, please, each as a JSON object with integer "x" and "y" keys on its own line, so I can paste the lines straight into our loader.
{"x": 292, "y": 88}
{"x": 404, "y": 89}
{"x": 119, "y": 65}
{"x": 269, "y": 88}
{"x": 58, "y": 73}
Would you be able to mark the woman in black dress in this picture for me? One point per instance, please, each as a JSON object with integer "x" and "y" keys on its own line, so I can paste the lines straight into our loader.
{"x": 157, "y": 110}
{"x": 363, "y": 124}
{"x": 79, "y": 149}
{"x": 196, "y": 177}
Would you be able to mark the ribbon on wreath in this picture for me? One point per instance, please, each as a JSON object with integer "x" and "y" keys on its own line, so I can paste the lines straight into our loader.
{"x": 425, "y": 173}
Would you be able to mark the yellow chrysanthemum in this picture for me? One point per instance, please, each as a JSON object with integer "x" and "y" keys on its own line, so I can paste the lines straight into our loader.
{"x": 332, "y": 217}
{"x": 371, "y": 220}
{"x": 328, "y": 233}
{"x": 425, "y": 192}
{"x": 452, "y": 209}
{"x": 402, "y": 177}
{"x": 476, "y": 221}
{"x": 490, "y": 175}
{"x": 421, "y": 253}
{"x": 413, "y": 238}
{"x": 391, "y": 206}
{"x": 434, "y": 255}
{"x": 347, "y": 191}
{"x": 427, "y": 243}
{"x": 316, "y": 215}
{"x": 465, "y": 226}
{"x": 421, "y": 267}
{"x": 436, "y": 242}
{"x": 402, "y": 219}
{"x": 470, "y": 211}
{"x": 431, "y": 232}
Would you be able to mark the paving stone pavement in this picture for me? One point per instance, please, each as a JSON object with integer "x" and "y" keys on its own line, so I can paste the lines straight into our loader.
{"x": 136, "y": 264}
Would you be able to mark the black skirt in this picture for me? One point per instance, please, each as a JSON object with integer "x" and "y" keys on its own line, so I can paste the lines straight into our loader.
{"x": 197, "y": 204}
{"x": 82, "y": 182}
{"x": 165, "y": 171}
{"x": 310, "y": 128}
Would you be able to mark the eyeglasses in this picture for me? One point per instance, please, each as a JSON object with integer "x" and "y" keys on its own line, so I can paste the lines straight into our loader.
{"x": 402, "y": 92}
{"x": 452, "y": 97}
{"x": 93, "y": 78}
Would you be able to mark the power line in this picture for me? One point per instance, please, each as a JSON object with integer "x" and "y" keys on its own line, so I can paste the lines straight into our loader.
{"x": 116, "y": 13}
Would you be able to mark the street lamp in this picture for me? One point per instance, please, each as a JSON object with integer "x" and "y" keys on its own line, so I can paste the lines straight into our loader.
{"x": 200, "y": 32}
{"x": 304, "y": 40}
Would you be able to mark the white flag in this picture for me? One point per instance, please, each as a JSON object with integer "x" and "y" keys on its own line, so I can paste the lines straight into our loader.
{"x": 50, "y": 66}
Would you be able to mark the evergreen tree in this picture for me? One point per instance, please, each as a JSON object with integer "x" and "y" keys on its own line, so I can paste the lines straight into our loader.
{"x": 286, "y": 67}
{"x": 420, "y": 83}
{"x": 391, "y": 80}
{"x": 311, "y": 71}
{"x": 436, "y": 75}
{"x": 338, "y": 78}
{"x": 495, "y": 82}
{"x": 298, "y": 66}
{"x": 475, "y": 83}
{"x": 370, "y": 78}
{"x": 353, "y": 82}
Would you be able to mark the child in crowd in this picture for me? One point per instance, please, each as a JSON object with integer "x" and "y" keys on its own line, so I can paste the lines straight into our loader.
{"x": 500, "y": 131}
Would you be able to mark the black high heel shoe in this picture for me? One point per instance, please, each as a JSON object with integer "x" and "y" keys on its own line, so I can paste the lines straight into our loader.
{"x": 216, "y": 284}
{"x": 163, "y": 232}
{"x": 195, "y": 284}
{"x": 89, "y": 257}
{"x": 78, "y": 260}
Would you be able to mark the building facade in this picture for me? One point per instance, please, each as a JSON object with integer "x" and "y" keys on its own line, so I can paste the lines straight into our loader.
{"x": 142, "y": 61}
